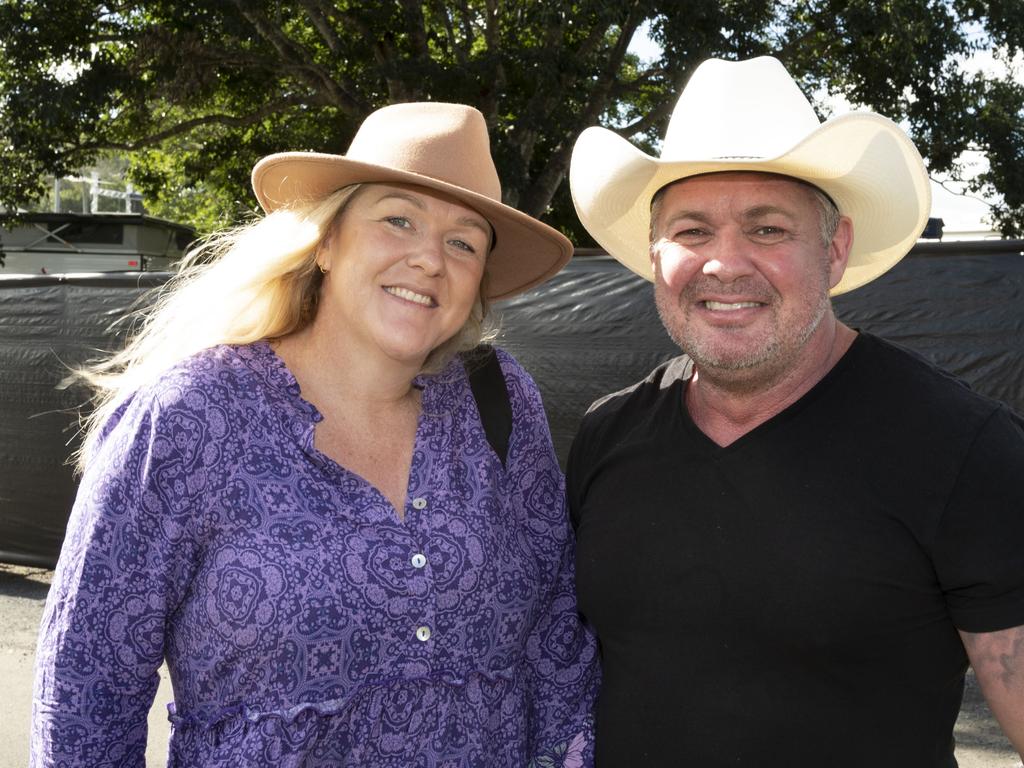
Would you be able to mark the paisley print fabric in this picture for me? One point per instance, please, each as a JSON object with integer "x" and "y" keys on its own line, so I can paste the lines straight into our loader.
{"x": 302, "y": 622}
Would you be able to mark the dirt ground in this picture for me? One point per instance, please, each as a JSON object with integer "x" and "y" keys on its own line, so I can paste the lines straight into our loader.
{"x": 980, "y": 743}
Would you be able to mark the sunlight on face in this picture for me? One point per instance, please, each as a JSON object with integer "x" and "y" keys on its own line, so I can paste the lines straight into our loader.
{"x": 404, "y": 266}
{"x": 742, "y": 276}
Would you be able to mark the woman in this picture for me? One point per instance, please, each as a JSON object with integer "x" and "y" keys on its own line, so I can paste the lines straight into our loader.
{"x": 289, "y": 495}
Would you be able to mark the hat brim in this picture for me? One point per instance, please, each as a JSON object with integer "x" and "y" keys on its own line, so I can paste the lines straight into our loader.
{"x": 526, "y": 252}
{"x": 863, "y": 161}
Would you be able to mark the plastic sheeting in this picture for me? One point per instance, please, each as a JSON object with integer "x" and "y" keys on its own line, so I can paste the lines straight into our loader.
{"x": 590, "y": 330}
{"x": 47, "y": 326}
{"x": 593, "y": 328}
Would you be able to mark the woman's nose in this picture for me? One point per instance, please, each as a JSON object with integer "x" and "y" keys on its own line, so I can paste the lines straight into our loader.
{"x": 428, "y": 254}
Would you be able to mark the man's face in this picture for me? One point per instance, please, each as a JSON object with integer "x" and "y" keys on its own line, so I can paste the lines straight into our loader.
{"x": 741, "y": 273}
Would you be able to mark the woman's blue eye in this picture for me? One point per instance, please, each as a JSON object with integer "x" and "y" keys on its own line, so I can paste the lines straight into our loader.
{"x": 463, "y": 245}
{"x": 399, "y": 221}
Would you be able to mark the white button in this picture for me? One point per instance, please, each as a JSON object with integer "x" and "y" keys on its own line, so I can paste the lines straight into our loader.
{"x": 419, "y": 502}
{"x": 423, "y": 634}
{"x": 418, "y": 560}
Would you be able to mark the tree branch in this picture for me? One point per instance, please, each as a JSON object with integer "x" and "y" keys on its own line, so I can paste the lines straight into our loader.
{"x": 499, "y": 79}
{"x": 656, "y": 115}
{"x": 538, "y": 196}
{"x": 188, "y": 125}
{"x": 441, "y": 9}
{"x": 383, "y": 52}
{"x": 316, "y": 13}
{"x": 467, "y": 24}
{"x": 416, "y": 27}
{"x": 302, "y": 61}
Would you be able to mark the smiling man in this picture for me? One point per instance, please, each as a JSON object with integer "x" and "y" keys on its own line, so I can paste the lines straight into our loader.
{"x": 794, "y": 538}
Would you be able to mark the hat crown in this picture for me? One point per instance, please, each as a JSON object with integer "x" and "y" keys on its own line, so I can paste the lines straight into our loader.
{"x": 750, "y": 116}
{"x": 738, "y": 110}
{"x": 445, "y": 142}
{"x": 436, "y": 146}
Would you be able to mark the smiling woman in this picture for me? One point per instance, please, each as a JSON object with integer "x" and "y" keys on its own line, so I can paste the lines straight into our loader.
{"x": 289, "y": 496}
{"x": 402, "y": 272}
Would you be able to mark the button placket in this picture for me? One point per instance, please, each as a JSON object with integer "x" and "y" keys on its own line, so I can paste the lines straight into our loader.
{"x": 423, "y": 631}
{"x": 420, "y": 584}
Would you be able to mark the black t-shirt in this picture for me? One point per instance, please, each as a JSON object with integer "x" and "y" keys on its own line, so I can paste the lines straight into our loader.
{"x": 793, "y": 599}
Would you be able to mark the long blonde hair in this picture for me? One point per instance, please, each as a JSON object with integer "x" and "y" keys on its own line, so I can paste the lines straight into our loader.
{"x": 256, "y": 281}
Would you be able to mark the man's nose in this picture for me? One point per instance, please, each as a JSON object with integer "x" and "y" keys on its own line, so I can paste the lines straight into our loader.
{"x": 729, "y": 257}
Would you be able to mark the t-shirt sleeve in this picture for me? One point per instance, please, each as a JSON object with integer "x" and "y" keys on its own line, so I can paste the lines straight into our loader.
{"x": 577, "y": 467}
{"x": 979, "y": 553}
{"x": 573, "y": 472}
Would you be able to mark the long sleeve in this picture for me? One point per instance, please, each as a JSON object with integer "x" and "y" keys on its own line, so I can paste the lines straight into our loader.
{"x": 561, "y": 652}
{"x": 121, "y": 571}
{"x": 564, "y": 668}
{"x": 300, "y": 619}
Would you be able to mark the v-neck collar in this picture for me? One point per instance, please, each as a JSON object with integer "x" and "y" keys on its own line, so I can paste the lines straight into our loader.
{"x": 685, "y": 375}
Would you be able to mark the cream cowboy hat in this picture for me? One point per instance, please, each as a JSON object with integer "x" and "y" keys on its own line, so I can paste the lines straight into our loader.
{"x": 438, "y": 146}
{"x": 751, "y": 116}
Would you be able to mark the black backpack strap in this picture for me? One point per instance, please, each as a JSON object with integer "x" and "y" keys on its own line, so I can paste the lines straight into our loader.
{"x": 491, "y": 395}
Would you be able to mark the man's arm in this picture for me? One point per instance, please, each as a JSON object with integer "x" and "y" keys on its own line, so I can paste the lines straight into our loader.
{"x": 998, "y": 661}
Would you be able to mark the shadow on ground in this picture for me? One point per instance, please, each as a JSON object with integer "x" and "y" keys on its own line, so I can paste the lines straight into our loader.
{"x": 30, "y": 583}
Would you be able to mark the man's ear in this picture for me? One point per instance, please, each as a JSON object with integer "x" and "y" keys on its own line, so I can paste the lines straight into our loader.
{"x": 652, "y": 253}
{"x": 839, "y": 250}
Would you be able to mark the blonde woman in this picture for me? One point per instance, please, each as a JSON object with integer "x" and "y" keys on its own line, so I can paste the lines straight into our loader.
{"x": 288, "y": 493}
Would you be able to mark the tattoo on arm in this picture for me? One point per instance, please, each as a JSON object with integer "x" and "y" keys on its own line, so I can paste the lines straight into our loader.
{"x": 998, "y": 655}
{"x": 998, "y": 661}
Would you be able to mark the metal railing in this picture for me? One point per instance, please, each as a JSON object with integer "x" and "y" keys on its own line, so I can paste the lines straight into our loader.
{"x": 93, "y": 190}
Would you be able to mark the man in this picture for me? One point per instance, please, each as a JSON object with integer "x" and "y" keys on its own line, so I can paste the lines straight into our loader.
{"x": 792, "y": 539}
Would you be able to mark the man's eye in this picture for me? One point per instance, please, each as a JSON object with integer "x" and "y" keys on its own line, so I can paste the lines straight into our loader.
{"x": 768, "y": 231}
{"x": 691, "y": 232}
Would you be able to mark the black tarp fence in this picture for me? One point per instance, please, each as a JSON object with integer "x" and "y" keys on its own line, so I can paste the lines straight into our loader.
{"x": 48, "y": 325}
{"x": 590, "y": 330}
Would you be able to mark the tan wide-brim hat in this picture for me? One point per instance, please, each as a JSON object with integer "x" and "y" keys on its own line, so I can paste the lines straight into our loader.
{"x": 751, "y": 116}
{"x": 439, "y": 146}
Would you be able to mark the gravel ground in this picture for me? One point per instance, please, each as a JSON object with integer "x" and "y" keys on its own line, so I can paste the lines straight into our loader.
{"x": 22, "y": 594}
{"x": 980, "y": 743}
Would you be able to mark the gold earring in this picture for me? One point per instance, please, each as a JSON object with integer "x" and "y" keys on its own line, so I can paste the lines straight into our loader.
{"x": 321, "y": 268}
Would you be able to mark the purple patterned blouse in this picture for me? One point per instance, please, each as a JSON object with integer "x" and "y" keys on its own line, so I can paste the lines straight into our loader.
{"x": 302, "y": 622}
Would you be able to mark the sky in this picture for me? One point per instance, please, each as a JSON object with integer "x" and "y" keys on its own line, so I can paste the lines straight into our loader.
{"x": 963, "y": 215}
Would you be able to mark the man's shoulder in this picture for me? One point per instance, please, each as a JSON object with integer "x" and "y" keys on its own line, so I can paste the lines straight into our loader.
{"x": 907, "y": 379}
{"x": 641, "y": 395}
{"x": 900, "y": 398}
{"x": 630, "y": 415}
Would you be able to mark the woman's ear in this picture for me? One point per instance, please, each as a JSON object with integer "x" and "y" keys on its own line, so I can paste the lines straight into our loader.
{"x": 325, "y": 249}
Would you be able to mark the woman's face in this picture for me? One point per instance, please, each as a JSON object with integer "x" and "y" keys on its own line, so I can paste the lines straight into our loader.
{"x": 404, "y": 266}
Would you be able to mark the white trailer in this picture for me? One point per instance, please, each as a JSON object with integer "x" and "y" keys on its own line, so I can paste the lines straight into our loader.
{"x": 66, "y": 242}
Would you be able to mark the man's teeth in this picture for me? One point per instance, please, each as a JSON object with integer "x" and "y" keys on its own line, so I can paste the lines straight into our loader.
{"x": 722, "y": 306}
{"x": 405, "y": 293}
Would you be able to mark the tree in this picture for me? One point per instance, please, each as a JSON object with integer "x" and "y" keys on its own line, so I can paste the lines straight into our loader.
{"x": 194, "y": 92}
